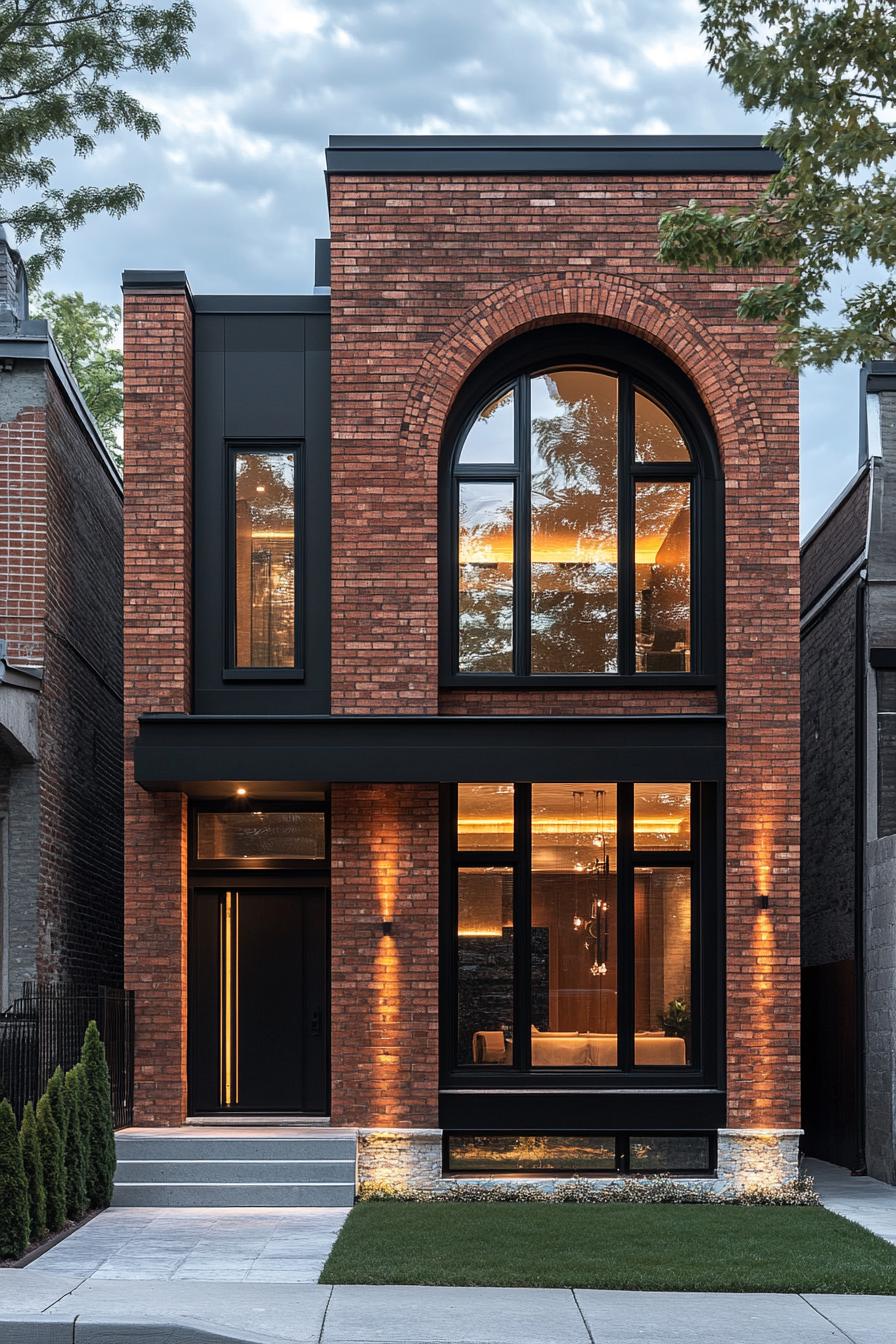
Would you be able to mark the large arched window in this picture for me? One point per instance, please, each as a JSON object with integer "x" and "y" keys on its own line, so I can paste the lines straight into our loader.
{"x": 583, "y": 528}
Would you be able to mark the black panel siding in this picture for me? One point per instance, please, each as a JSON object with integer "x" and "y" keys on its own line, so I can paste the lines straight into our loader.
{"x": 260, "y": 377}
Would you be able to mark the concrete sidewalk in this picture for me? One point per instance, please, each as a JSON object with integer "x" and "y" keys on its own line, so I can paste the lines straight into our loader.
{"x": 42, "y": 1307}
{"x": 861, "y": 1199}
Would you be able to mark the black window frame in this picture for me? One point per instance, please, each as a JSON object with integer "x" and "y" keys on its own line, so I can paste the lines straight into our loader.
{"x": 637, "y": 367}
{"x": 257, "y": 864}
{"x": 231, "y": 670}
{"x": 707, "y": 957}
{"x": 622, "y": 1165}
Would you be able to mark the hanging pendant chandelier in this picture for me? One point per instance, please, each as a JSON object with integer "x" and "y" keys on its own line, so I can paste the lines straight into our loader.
{"x": 594, "y": 870}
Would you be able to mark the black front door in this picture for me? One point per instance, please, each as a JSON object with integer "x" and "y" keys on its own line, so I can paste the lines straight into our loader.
{"x": 258, "y": 1001}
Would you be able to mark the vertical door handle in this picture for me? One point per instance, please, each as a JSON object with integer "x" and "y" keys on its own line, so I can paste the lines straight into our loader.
{"x": 316, "y": 1024}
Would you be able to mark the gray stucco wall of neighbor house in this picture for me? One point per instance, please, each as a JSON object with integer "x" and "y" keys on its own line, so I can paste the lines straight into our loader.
{"x": 880, "y": 853}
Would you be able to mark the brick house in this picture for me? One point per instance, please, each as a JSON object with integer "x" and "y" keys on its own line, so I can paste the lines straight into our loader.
{"x": 848, "y": 656}
{"x": 461, "y": 676}
{"x": 61, "y": 866}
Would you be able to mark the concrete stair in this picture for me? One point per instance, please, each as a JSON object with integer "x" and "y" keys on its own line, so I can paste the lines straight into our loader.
{"x": 203, "y": 1167}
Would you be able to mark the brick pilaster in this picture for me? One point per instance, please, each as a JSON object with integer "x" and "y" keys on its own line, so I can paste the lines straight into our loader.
{"x": 158, "y": 351}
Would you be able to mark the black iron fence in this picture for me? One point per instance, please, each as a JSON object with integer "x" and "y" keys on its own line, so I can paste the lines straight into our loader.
{"x": 46, "y": 1026}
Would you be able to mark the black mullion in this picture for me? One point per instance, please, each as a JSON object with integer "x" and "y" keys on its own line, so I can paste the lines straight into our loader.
{"x": 448, "y": 950}
{"x": 625, "y": 927}
{"x": 522, "y": 613}
{"x": 485, "y": 858}
{"x": 522, "y": 934}
{"x": 700, "y": 962}
{"x": 663, "y": 471}
{"x": 663, "y": 858}
{"x": 625, "y": 555}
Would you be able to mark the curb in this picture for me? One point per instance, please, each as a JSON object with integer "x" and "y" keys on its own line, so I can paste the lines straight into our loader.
{"x": 40, "y": 1328}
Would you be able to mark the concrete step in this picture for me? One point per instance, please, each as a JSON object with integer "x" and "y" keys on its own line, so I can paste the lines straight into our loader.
{"x": 224, "y": 1195}
{"x": 201, "y": 1148}
{"x": 243, "y": 1171}
{"x": 201, "y": 1168}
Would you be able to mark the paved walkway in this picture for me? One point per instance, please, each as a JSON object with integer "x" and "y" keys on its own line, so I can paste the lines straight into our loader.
{"x": 52, "y": 1308}
{"x": 859, "y": 1198}
{"x": 210, "y": 1245}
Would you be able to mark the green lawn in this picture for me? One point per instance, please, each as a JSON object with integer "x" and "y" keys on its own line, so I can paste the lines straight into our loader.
{"x": 664, "y": 1246}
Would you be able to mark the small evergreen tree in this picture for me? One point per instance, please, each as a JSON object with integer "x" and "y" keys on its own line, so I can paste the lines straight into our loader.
{"x": 100, "y": 1131}
{"x": 51, "y": 1156}
{"x": 75, "y": 1154}
{"x": 56, "y": 1094}
{"x": 34, "y": 1173}
{"x": 15, "y": 1226}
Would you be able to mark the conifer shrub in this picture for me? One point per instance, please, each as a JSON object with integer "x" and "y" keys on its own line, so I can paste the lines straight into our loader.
{"x": 15, "y": 1225}
{"x": 56, "y": 1094}
{"x": 52, "y": 1160}
{"x": 34, "y": 1173}
{"x": 75, "y": 1148}
{"x": 100, "y": 1130}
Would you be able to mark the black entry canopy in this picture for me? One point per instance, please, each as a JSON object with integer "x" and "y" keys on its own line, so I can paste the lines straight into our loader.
{"x": 208, "y": 755}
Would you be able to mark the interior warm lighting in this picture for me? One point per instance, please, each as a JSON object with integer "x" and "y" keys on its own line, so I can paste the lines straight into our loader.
{"x": 490, "y": 932}
{"x": 496, "y": 548}
{"x": 570, "y": 825}
{"x": 230, "y": 1025}
{"x": 241, "y": 792}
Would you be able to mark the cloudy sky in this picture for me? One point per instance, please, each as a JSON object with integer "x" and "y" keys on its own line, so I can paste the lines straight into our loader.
{"x": 234, "y": 186}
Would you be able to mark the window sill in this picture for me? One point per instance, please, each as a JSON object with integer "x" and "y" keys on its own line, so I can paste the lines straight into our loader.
{"x": 263, "y": 674}
{"x": 602, "y": 681}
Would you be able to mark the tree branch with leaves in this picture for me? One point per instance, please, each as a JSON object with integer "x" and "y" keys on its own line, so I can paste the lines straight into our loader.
{"x": 828, "y": 69}
{"x": 61, "y": 63}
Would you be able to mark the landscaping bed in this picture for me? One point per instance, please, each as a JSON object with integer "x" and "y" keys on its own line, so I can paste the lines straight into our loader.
{"x": 662, "y": 1247}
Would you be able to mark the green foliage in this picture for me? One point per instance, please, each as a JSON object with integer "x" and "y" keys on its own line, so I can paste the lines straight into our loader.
{"x": 34, "y": 1173}
{"x": 75, "y": 1151}
{"x": 85, "y": 332}
{"x": 100, "y": 1131}
{"x": 56, "y": 1094}
{"x": 52, "y": 1158}
{"x": 828, "y": 68}
{"x": 15, "y": 1226}
{"x": 676, "y": 1020}
{"x": 61, "y": 66}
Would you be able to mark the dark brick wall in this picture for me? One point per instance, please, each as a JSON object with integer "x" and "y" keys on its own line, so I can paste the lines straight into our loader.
{"x": 60, "y": 603}
{"x": 831, "y": 550}
{"x": 828, "y": 654}
{"x": 80, "y": 927}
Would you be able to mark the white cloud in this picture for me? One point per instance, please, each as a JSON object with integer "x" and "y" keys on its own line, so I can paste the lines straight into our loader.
{"x": 234, "y": 184}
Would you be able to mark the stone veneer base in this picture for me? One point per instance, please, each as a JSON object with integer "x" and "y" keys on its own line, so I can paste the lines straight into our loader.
{"x": 408, "y": 1160}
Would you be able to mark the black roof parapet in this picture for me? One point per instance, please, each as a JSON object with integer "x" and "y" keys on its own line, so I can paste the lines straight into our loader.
{"x": 591, "y": 154}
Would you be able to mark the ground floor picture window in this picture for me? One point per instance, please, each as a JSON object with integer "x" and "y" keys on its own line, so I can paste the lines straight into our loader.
{"x": 575, "y": 926}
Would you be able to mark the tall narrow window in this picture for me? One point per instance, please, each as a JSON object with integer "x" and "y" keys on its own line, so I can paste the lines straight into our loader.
{"x": 486, "y": 576}
{"x": 574, "y": 505}
{"x": 574, "y": 926}
{"x": 265, "y": 559}
{"x": 580, "y": 505}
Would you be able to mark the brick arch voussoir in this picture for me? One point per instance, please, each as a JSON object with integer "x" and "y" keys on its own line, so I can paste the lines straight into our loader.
{"x": 605, "y": 300}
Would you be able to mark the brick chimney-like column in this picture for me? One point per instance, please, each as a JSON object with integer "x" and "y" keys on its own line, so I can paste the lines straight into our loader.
{"x": 158, "y": 436}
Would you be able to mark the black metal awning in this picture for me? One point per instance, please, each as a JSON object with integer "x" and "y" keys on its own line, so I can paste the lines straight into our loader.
{"x": 206, "y": 755}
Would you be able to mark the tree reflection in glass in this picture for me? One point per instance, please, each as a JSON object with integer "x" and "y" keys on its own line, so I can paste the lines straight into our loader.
{"x": 485, "y": 598}
{"x": 265, "y": 569}
{"x": 574, "y": 506}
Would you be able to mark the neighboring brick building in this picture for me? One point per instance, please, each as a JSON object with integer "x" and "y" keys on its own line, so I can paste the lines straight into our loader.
{"x": 461, "y": 676}
{"x": 849, "y": 805}
{"x": 60, "y": 667}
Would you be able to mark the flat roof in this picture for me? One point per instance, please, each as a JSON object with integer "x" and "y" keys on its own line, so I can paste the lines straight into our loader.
{"x": 430, "y": 154}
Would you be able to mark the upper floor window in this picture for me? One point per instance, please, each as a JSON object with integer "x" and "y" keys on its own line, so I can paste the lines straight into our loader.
{"x": 265, "y": 546}
{"x": 575, "y": 528}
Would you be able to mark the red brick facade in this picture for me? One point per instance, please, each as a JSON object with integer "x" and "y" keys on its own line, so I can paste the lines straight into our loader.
{"x": 158, "y": 432}
{"x": 466, "y": 263}
{"x": 429, "y": 274}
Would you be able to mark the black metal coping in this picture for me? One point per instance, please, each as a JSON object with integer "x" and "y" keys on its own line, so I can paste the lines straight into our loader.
{"x": 165, "y": 281}
{"x": 430, "y": 154}
{"x": 208, "y": 755}
{"x": 880, "y": 375}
